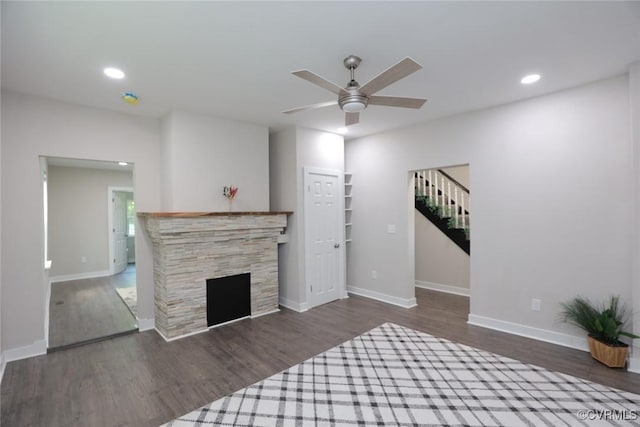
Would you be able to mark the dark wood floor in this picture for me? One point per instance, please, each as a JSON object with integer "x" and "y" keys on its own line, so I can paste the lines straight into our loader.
{"x": 141, "y": 380}
{"x": 88, "y": 309}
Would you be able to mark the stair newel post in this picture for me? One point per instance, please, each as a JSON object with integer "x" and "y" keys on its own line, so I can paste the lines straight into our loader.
{"x": 448, "y": 198}
{"x": 435, "y": 198}
{"x": 455, "y": 201}
{"x": 442, "y": 201}
{"x": 430, "y": 187}
{"x": 424, "y": 183}
{"x": 464, "y": 217}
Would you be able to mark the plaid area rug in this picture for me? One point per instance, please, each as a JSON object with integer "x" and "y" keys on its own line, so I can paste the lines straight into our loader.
{"x": 395, "y": 376}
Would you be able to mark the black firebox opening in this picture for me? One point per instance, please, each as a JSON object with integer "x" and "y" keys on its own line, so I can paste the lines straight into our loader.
{"x": 228, "y": 298}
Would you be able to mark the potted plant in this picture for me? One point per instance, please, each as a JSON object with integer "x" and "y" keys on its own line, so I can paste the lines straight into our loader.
{"x": 604, "y": 325}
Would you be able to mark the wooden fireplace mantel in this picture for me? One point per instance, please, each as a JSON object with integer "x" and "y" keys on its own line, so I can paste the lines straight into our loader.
{"x": 201, "y": 214}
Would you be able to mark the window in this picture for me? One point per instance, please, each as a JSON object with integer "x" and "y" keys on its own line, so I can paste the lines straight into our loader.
{"x": 131, "y": 218}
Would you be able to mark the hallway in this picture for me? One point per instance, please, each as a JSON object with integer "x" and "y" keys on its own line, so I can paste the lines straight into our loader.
{"x": 88, "y": 310}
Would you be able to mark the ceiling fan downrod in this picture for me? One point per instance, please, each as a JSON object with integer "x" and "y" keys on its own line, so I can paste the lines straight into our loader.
{"x": 354, "y": 101}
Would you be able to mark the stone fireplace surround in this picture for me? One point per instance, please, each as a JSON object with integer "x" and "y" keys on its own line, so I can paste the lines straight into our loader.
{"x": 191, "y": 247}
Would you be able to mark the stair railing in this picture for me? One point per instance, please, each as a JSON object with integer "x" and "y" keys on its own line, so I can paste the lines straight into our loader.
{"x": 443, "y": 192}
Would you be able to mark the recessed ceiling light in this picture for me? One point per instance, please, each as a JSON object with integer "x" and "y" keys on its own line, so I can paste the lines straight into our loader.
{"x": 342, "y": 130}
{"x": 123, "y": 163}
{"x": 531, "y": 78}
{"x": 114, "y": 73}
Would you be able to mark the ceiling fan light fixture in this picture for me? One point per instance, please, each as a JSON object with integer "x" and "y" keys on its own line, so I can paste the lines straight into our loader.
{"x": 353, "y": 103}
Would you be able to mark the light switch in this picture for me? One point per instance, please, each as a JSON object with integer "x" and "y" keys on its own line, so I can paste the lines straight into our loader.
{"x": 391, "y": 228}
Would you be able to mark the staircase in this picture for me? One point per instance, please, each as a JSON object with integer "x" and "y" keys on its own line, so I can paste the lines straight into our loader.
{"x": 444, "y": 202}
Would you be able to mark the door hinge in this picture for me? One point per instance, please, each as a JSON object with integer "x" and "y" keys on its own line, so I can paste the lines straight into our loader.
{"x": 114, "y": 260}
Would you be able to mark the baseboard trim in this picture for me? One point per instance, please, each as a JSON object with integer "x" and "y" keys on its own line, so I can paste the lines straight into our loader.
{"x": 389, "y": 299}
{"x": 3, "y": 364}
{"x": 146, "y": 324}
{"x": 300, "y": 307}
{"x": 38, "y": 348}
{"x": 442, "y": 288}
{"x": 565, "y": 340}
{"x": 277, "y": 310}
{"x": 79, "y": 276}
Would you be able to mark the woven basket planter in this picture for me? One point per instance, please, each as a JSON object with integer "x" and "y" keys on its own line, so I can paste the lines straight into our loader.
{"x": 613, "y": 357}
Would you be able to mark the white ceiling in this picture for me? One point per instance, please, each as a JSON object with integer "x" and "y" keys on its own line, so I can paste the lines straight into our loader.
{"x": 233, "y": 59}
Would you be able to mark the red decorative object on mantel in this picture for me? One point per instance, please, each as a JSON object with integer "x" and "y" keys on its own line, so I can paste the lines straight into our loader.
{"x": 230, "y": 193}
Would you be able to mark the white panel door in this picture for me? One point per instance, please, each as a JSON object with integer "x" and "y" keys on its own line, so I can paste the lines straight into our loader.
{"x": 119, "y": 209}
{"x": 324, "y": 235}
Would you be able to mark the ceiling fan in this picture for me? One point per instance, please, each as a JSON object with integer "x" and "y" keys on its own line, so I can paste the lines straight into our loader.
{"x": 354, "y": 98}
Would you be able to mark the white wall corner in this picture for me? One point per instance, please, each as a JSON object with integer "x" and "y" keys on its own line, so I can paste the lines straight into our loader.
{"x": 634, "y": 364}
{"x": 545, "y": 335}
{"x": 38, "y": 348}
{"x": 442, "y": 288}
{"x": 389, "y": 299}
{"x": 292, "y": 305}
{"x": 146, "y": 324}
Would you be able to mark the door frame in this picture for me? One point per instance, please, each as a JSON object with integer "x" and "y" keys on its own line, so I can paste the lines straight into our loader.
{"x": 308, "y": 249}
{"x": 112, "y": 244}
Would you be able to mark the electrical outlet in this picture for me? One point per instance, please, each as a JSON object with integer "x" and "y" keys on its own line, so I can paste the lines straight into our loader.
{"x": 83, "y": 259}
{"x": 374, "y": 274}
{"x": 535, "y": 304}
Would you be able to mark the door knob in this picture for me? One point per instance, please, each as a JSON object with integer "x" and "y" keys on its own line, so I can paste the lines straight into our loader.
{"x": 337, "y": 245}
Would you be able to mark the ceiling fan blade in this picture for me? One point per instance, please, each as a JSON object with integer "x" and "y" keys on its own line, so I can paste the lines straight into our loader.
{"x": 399, "y": 71}
{"x": 395, "y": 101}
{"x": 320, "y": 81}
{"x": 351, "y": 118}
{"x": 310, "y": 107}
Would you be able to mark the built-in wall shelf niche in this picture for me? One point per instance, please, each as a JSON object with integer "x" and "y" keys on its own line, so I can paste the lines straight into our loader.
{"x": 347, "y": 207}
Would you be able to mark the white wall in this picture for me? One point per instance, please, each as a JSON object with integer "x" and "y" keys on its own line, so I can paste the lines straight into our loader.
{"x": 291, "y": 150}
{"x": 439, "y": 261}
{"x": 2, "y": 362}
{"x": 551, "y": 179}
{"x": 283, "y": 181}
{"x": 459, "y": 173}
{"x": 634, "y": 103}
{"x": 32, "y": 127}
{"x": 202, "y": 154}
{"x": 78, "y": 218}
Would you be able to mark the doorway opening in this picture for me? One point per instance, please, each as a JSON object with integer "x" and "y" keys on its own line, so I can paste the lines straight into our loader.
{"x": 84, "y": 304}
{"x": 122, "y": 232}
{"x": 442, "y": 233}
